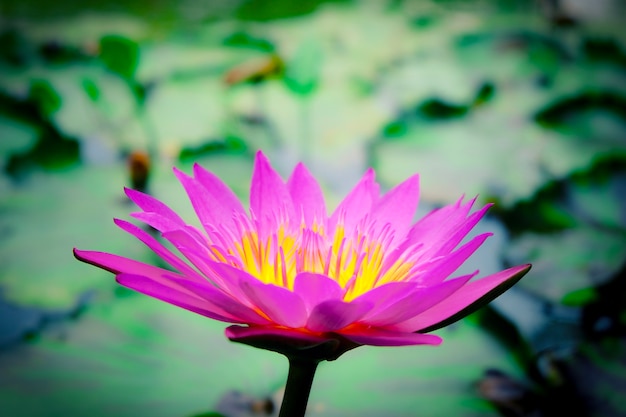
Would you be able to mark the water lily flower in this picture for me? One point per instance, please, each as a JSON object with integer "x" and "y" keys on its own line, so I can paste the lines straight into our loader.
{"x": 294, "y": 279}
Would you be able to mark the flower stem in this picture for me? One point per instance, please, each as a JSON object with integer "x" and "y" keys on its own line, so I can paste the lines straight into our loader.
{"x": 299, "y": 381}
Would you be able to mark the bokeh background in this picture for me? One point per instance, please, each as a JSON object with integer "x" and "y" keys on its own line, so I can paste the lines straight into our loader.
{"x": 522, "y": 103}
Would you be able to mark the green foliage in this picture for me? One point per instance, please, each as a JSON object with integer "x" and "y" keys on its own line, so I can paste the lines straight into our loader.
{"x": 91, "y": 89}
{"x": 566, "y": 113}
{"x": 52, "y": 150}
{"x": 246, "y": 40}
{"x": 440, "y": 110}
{"x": 12, "y": 48}
{"x": 263, "y": 10}
{"x": 230, "y": 144}
{"x": 45, "y": 97}
{"x": 120, "y": 55}
{"x": 580, "y": 297}
{"x": 397, "y": 128}
{"x": 303, "y": 69}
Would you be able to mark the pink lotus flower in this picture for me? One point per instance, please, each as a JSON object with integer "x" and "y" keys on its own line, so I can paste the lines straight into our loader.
{"x": 296, "y": 280}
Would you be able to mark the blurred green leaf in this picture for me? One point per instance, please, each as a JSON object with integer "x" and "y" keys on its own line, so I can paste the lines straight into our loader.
{"x": 246, "y": 40}
{"x": 598, "y": 369}
{"x": 571, "y": 260}
{"x": 588, "y": 114}
{"x": 44, "y": 95}
{"x": 48, "y": 216}
{"x": 395, "y": 129}
{"x": 148, "y": 353}
{"x": 13, "y": 48}
{"x": 302, "y": 71}
{"x": 262, "y": 10}
{"x": 152, "y": 353}
{"x": 120, "y": 55}
{"x": 580, "y": 297}
{"x": 17, "y": 137}
{"x": 91, "y": 88}
{"x": 437, "y": 109}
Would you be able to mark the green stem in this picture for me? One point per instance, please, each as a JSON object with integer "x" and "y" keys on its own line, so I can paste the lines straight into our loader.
{"x": 299, "y": 381}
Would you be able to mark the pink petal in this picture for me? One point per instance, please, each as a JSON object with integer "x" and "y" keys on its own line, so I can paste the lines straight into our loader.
{"x": 357, "y": 203}
{"x": 415, "y": 302}
{"x": 163, "y": 284}
{"x": 212, "y": 205}
{"x": 219, "y": 192}
{"x": 229, "y": 280}
{"x": 118, "y": 264}
{"x": 150, "y": 204}
{"x": 225, "y": 303}
{"x": 437, "y": 225}
{"x": 439, "y": 232}
{"x": 466, "y": 300}
{"x": 386, "y": 295}
{"x": 316, "y": 288}
{"x": 397, "y": 207}
{"x": 269, "y": 198}
{"x": 159, "y": 222}
{"x": 188, "y": 241}
{"x": 295, "y": 337}
{"x": 171, "y": 295}
{"x": 158, "y": 248}
{"x": 307, "y": 195}
{"x": 462, "y": 230}
{"x": 279, "y": 304}
{"x": 333, "y": 315}
{"x": 378, "y": 337}
{"x": 441, "y": 269}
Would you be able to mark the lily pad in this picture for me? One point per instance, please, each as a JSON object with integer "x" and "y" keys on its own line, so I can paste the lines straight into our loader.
{"x": 151, "y": 357}
{"x": 153, "y": 354}
{"x": 17, "y": 137}
{"x": 46, "y": 219}
{"x": 411, "y": 381}
{"x": 585, "y": 254}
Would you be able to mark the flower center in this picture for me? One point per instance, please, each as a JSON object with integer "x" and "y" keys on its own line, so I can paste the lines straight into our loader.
{"x": 358, "y": 262}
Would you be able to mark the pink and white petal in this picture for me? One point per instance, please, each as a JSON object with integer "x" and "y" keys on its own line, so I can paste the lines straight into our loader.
{"x": 282, "y": 306}
{"x": 229, "y": 203}
{"x": 380, "y": 337}
{"x": 415, "y": 302}
{"x": 150, "y": 204}
{"x": 226, "y": 304}
{"x": 397, "y": 207}
{"x": 118, "y": 264}
{"x": 333, "y": 315}
{"x": 461, "y": 231}
{"x": 386, "y": 295}
{"x": 357, "y": 204}
{"x": 229, "y": 280}
{"x": 158, "y": 248}
{"x": 269, "y": 198}
{"x": 437, "y": 225}
{"x": 442, "y": 268}
{"x": 316, "y": 288}
{"x": 187, "y": 239}
{"x": 155, "y": 220}
{"x": 207, "y": 203}
{"x": 306, "y": 195}
{"x": 172, "y": 296}
{"x": 198, "y": 254}
{"x": 468, "y": 299}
